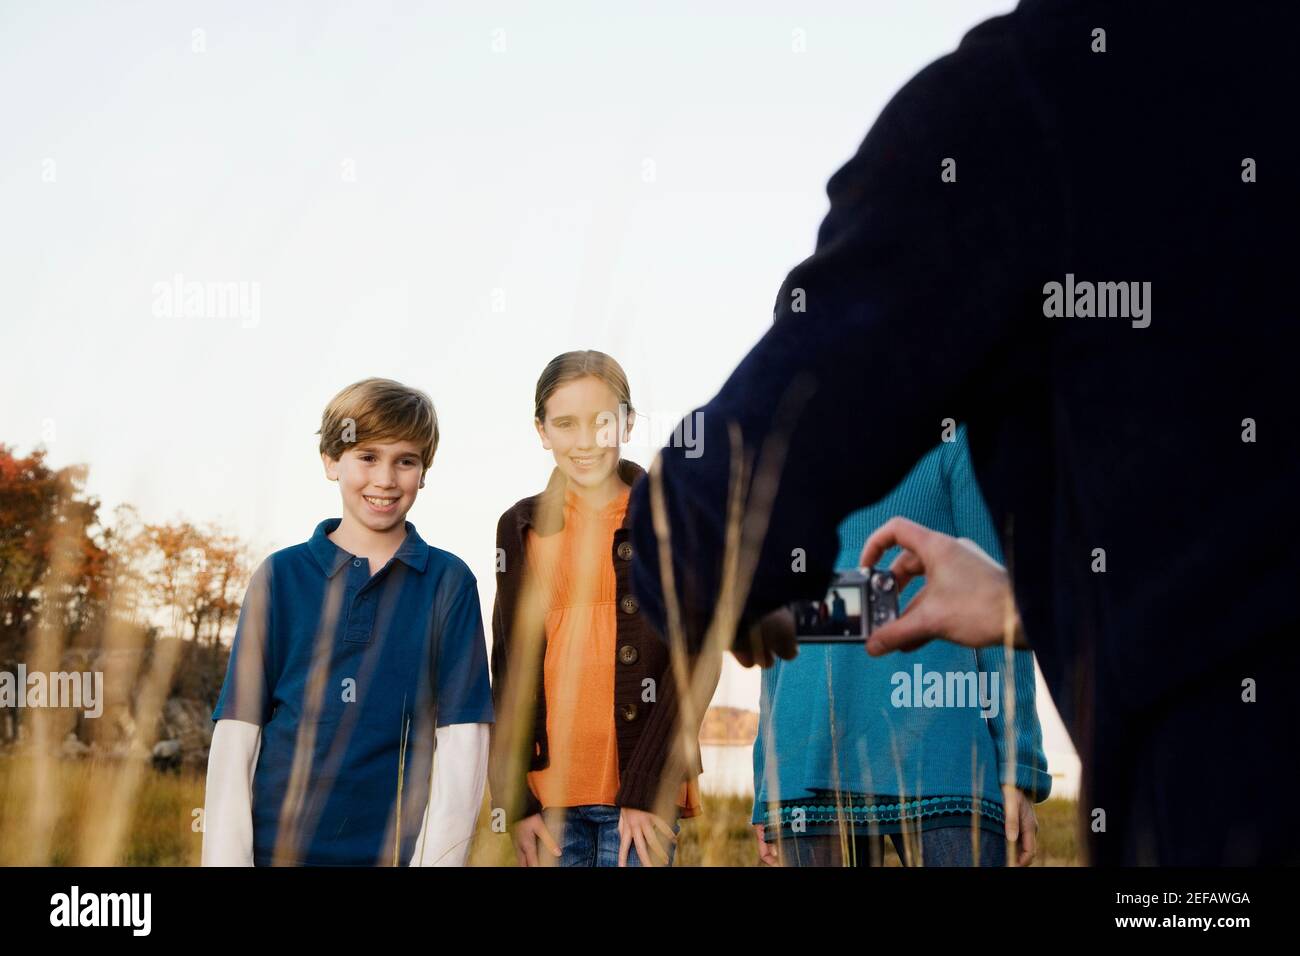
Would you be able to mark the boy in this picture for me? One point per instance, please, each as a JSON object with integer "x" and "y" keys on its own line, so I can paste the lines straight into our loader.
{"x": 357, "y": 652}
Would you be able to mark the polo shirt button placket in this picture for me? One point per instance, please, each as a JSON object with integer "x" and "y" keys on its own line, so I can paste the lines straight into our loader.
{"x": 361, "y": 612}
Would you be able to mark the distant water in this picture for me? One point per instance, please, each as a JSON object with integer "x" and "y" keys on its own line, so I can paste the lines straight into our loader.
{"x": 728, "y": 769}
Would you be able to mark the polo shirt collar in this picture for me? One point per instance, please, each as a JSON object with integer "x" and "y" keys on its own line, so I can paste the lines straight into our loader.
{"x": 413, "y": 552}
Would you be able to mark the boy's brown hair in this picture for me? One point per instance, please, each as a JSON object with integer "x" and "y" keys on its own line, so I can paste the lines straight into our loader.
{"x": 379, "y": 410}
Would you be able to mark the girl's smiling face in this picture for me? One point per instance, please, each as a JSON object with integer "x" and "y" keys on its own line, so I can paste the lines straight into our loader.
{"x": 582, "y": 430}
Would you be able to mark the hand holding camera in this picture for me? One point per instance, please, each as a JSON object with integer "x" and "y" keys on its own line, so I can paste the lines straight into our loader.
{"x": 967, "y": 596}
{"x": 856, "y": 603}
{"x": 966, "y": 599}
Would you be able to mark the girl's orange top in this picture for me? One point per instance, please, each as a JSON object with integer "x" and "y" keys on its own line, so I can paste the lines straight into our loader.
{"x": 576, "y": 573}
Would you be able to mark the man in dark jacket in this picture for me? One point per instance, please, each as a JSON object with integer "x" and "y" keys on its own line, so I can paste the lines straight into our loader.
{"x": 1073, "y": 233}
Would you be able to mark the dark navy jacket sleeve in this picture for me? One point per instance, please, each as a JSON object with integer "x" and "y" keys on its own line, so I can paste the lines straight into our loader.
{"x": 894, "y": 324}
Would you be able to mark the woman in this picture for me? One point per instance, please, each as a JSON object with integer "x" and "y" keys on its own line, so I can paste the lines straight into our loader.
{"x": 852, "y": 748}
{"x": 587, "y": 707}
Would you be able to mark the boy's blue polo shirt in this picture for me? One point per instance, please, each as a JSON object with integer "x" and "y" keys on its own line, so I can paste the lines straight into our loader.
{"x": 349, "y": 674}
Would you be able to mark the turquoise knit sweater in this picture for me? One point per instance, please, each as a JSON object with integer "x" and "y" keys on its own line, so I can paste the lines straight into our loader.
{"x": 834, "y": 720}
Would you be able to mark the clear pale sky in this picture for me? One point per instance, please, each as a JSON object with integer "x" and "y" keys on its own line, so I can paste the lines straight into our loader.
{"x": 446, "y": 194}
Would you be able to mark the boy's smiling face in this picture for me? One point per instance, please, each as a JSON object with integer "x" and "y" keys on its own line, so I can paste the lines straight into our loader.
{"x": 378, "y": 482}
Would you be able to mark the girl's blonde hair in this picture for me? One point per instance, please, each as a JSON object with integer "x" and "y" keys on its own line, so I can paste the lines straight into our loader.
{"x": 575, "y": 365}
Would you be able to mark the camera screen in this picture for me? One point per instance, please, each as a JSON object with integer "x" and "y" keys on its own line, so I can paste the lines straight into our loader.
{"x": 838, "y": 614}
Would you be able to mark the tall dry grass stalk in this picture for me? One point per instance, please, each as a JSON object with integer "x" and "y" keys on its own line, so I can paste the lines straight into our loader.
{"x": 103, "y": 821}
{"x": 517, "y": 713}
{"x": 121, "y": 793}
{"x": 697, "y": 677}
{"x": 746, "y": 528}
{"x": 37, "y": 788}
{"x": 294, "y": 830}
{"x": 102, "y": 834}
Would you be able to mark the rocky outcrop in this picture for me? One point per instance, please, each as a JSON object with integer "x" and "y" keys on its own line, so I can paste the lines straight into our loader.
{"x": 184, "y": 734}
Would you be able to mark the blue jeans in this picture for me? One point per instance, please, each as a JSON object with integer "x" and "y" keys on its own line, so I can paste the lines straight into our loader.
{"x": 943, "y": 846}
{"x": 588, "y": 836}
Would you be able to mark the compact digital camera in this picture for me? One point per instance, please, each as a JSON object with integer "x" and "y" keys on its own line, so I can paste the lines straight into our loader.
{"x": 856, "y": 603}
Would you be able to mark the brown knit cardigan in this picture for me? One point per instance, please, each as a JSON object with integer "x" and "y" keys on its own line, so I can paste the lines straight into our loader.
{"x": 646, "y": 731}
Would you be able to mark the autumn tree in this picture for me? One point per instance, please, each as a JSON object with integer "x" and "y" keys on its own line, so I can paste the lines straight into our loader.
{"x": 59, "y": 567}
{"x": 43, "y": 510}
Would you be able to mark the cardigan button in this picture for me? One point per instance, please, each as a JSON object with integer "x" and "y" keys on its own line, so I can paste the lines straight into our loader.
{"x": 627, "y": 712}
{"x": 628, "y": 654}
{"x": 625, "y": 550}
{"x": 629, "y": 604}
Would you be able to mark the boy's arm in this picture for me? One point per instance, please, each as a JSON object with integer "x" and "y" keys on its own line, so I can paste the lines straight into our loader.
{"x": 455, "y": 795}
{"x": 244, "y": 707}
{"x": 464, "y": 708}
{"x": 227, "y": 801}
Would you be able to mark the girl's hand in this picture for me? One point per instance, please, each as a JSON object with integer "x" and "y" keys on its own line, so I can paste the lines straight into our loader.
{"x": 638, "y": 827}
{"x": 1022, "y": 824}
{"x": 766, "y": 851}
{"x": 772, "y": 637}
{"x": 527, "y": 833}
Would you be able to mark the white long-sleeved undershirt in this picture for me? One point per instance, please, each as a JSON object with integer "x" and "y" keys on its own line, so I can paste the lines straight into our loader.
{"x": 456, "y": 787}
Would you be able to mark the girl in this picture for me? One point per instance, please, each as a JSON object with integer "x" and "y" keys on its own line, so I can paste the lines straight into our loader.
{"x": 587, "y": 706}
{"x": 844, "y": 756}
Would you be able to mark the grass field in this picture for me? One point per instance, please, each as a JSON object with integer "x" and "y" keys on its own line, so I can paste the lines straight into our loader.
{"x": 162, "y": 828}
